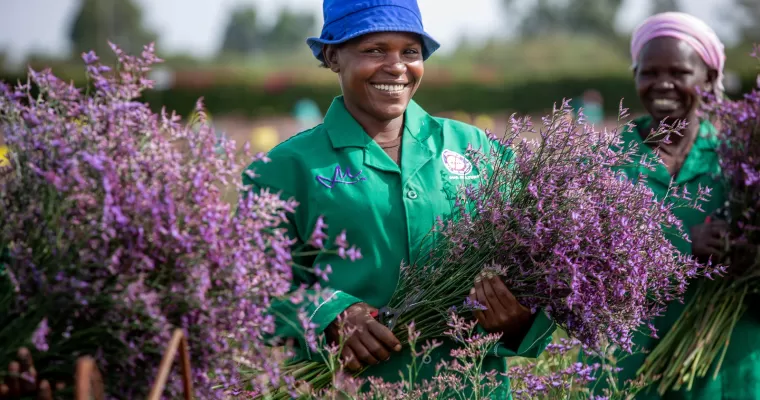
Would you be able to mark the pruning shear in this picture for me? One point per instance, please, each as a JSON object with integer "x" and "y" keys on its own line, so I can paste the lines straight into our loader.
{"x": 389, "y": 316}
{"x": 386, "y": 316}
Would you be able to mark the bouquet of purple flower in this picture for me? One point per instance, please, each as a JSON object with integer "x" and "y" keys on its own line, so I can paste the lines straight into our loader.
{"x": 570, "y": 235}
{"x": 117, "y": 233}
{"x": 703, "y": 332}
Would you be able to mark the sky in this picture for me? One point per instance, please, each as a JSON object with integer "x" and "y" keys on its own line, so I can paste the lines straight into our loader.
{"x": 196, "y": 26}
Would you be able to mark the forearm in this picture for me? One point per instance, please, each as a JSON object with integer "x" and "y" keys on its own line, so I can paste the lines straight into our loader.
{"x": 315, "y": 311}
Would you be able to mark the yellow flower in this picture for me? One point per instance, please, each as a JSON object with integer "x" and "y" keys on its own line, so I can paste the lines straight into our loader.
{"x": 264, "y": 138}
{"x": 3, "y": 156}
{"x": 80, "y": 121}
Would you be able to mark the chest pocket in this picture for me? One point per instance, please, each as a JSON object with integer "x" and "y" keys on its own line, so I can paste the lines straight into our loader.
{"x": 359, "y": 194}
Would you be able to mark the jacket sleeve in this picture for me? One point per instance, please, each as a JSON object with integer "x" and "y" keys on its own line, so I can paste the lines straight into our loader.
{"x": 320, "y": 307}
{"x": 535, "y": 341}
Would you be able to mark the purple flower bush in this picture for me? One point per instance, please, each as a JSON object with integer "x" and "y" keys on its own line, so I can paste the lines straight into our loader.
{"x": 558, "y": 374}
{"x": 554, "y": 376}
{"x": 117, "y": 233}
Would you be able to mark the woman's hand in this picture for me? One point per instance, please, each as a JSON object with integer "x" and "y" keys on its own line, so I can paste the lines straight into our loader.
{"x": 22, "y": 380}
{"x": 708, "y": 240}
{"x": 743, "y": 259}
{"x": 371, "y": 342}
{"x": 503, "y": 312}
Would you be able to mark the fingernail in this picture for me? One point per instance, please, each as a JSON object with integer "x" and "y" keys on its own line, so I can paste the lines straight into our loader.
{"x": 397, "y": 348}
{"x": 472, "y": 291}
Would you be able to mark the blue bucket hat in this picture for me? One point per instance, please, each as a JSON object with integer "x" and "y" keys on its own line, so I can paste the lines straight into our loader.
{"x": 348, "y": 19}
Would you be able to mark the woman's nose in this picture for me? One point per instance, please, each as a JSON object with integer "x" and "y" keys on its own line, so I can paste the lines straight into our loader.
{"x": 664, "y": 83}
{"x": 394, "y": 65}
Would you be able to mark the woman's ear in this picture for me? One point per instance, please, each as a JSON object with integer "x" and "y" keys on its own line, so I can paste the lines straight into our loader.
{"x": 330, "y": 54}
{"x": 712, "y": 79}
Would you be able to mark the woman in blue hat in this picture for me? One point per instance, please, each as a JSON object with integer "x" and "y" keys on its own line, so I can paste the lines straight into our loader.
{"x": 381, "y": 169}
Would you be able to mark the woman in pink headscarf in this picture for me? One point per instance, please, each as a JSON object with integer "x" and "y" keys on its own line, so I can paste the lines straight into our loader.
{"x": 674, "y": 56}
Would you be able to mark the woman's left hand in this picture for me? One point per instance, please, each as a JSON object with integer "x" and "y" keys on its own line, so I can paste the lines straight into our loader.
{"x": 744, "y": 258}
{"x": 504, "y": 313}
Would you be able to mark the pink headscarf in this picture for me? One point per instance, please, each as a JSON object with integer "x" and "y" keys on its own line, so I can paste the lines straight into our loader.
{"x": 685, "y": 27}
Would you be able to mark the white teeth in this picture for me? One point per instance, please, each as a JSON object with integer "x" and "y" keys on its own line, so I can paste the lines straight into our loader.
{"x": 390, "y": 88}
{"x": 665, "y": 103}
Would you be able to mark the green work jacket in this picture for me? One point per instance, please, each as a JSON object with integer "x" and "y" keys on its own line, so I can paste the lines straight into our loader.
{"x": 739, "y": 377}
{"x": 337, "y": 171}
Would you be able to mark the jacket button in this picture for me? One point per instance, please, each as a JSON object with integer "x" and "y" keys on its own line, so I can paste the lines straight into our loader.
{"x": 411, "y": 194}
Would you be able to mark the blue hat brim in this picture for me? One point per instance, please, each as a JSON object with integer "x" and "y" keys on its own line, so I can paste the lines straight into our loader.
{"x": 378, "y": 16}
{"x": 429, "y": 45}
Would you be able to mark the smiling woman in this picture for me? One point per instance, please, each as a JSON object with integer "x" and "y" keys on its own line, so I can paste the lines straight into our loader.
{"x": 379, "y": 73}
{"x": 382, "y": 170}
{"x": 675, "y": 57}
{"x": 677, "y": 97}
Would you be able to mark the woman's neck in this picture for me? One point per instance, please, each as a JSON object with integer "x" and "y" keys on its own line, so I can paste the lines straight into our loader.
{"x": 676, "y": 149}
{"x": 378, "y": 130}
{"x": 682, "y": 138}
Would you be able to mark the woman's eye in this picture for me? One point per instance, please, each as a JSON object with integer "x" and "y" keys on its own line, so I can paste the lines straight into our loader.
{"x": 372, "y": 51}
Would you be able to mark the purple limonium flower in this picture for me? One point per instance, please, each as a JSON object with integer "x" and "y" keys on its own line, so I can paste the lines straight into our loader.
{"x": 567, "y": 230}
{"x": 116, "y": 212}
{"x": 319, "y": 235}
{"x": 39, "y": 337}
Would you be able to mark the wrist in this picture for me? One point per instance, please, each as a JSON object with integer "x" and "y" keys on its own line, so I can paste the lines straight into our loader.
{"x": 512, "y": 338}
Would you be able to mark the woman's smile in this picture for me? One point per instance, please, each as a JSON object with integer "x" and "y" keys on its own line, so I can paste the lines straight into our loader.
{"x": 665, "y": 105}
{"x": 394, "y": 89}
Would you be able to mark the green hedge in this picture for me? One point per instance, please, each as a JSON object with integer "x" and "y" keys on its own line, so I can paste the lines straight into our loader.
{"x": 534, "y": 96}
{"x": 524, "y": 97}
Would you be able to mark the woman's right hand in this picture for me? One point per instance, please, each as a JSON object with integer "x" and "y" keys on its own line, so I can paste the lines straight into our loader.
{"x": 371, "y": 342}
{"x": 708, "y": 240}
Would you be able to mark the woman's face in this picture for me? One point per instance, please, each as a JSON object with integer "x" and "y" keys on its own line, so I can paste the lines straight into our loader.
{"x": 667, "y": 77}
{"x": 379, "y": 72}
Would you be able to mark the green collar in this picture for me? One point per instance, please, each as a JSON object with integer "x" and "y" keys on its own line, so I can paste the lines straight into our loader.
{"x": 701, "y": 160}
{"x": 344, "y": 131}
{"x": 707, "y": 138}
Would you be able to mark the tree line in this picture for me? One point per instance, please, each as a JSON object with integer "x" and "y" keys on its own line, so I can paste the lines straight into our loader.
{"x": 122, "y": 22}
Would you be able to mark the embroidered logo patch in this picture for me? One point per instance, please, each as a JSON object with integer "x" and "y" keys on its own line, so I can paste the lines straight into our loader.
{"x": 341, "y": 176}
{"x": 456, "y": 163}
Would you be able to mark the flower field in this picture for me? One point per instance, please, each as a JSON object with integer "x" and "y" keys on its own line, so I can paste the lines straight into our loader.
{"x": 123, "y": 225}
